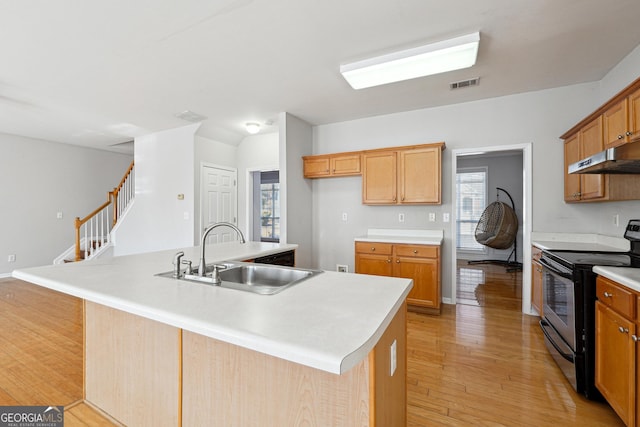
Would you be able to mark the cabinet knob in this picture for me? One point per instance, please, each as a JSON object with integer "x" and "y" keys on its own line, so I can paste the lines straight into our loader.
{"x": 635, "y": 338}
{"x": 607, "y": 294}
{"x": 373, "y": 249}
{"x": 397, "y": 261}
{"x": 620, "y": 136}
{"x": 629, "y": 133}
{"x": 623, "y": 330}
{"x": 389, "y": 260}
{"x": 415, "y": 251}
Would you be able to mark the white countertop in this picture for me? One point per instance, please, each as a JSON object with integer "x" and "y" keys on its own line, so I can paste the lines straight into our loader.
{"x": 629, "y": 277}
{"x": 329, "y": 322}
{"x": 411, "y": 237}
{"x": 579, "y": 242}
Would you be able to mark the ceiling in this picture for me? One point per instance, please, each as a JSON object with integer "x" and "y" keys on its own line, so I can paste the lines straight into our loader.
{"x": 99, "y": 74}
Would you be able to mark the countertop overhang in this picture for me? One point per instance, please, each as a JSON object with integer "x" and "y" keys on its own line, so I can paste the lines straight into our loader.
{"x": 403, "y": 236}
{"x": 329, "y": 322}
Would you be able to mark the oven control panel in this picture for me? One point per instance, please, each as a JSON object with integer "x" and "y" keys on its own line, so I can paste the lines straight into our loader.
{"x": 633, "y": 230}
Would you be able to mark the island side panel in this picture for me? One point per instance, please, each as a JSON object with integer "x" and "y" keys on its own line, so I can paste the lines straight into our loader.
{"x": 226, "y": 385}
{"x": 132, "y": 367}
{"x": 390, "y": 395}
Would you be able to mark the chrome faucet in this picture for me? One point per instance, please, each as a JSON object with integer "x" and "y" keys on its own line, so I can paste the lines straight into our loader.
{"x": 202, "y": 266}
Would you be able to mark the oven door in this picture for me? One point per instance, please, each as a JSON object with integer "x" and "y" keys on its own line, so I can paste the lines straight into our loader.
{"x": 558, "y": 299}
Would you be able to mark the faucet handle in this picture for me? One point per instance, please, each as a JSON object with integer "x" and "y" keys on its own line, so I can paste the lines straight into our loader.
{"x": 188, "y": 264}
{"x": 176, "y": 263}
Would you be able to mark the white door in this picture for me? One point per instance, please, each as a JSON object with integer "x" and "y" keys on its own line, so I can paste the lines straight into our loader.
{"x": 218, "y": 202}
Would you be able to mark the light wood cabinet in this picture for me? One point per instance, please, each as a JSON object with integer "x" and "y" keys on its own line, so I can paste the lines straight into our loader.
{"x": 616, "y": 356}
{"x": 536, "y": 279}
{"x": 615, "y": 123}
{"x": 332, "y": 165}
{"x": 622, "y": 121}
{"x": 403, "y": 176}
{"x": 421, "y": 263}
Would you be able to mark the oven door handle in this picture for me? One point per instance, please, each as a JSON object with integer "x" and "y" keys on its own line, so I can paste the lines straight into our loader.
{"x": 545, "y": 326}
{"x": 545, "y": 264}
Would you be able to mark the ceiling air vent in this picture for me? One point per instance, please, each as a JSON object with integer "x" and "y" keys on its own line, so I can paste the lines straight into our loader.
{"x": 465, "y": 83}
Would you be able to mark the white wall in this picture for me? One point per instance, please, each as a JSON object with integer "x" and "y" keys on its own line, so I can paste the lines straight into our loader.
{"x": 536, "y": 117}
{"x": 255, "y": 153}
{"x": 158, "y": 219}
{"x": 39, "y": 179}
{"x": 295, "y": 141}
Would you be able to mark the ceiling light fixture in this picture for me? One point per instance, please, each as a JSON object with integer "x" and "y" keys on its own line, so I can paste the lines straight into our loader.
{"x": 252, "y": 127}
{"x": 448, "y": 55}
{"x": 190, "y": 116}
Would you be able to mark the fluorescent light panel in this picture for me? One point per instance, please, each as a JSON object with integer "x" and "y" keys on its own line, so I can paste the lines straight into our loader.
{"x": 448, "y": 55}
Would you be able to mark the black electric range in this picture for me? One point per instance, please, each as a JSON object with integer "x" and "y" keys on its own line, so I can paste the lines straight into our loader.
{"x": 569, "y": 296}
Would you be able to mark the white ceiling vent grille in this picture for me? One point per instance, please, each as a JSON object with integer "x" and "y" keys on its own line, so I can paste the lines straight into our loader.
{"x": 465, "y": 83}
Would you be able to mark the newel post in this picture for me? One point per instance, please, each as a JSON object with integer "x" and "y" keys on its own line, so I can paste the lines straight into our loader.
{"x": 114, "y": 194}
{"x": 78, "y": 250}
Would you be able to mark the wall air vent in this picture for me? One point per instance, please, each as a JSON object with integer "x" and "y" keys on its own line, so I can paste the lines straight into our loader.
{"x": 465, "y": 83}
{"x": 190, "y": 116}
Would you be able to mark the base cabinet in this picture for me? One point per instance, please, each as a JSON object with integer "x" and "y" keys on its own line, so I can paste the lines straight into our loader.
{"x": 421, "y": 263}
{"x": 617, "y": 349}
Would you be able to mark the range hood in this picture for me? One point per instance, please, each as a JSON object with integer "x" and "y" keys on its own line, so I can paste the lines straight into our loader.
{"x": 618, "y": 160}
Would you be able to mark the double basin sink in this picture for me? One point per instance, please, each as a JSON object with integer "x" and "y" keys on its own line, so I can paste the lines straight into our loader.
{"x": 261, "y": 279}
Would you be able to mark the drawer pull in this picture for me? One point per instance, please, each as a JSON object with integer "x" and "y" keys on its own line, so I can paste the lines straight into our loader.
{"x": 415, "y": 251}
{"x": 373, "y": 249}
{"x": 635, "y": 338}
{"x": 623, "y": 330}
{"x": 607, "y": 294}
{"x": 389, "y": 260}
{"x": 397, "y": 261}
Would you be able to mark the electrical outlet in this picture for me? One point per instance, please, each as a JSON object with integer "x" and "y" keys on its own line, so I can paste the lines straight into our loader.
{"x": 393, "y": 358}
{"x": 342, "y": 268}
{"x": 432, "y": 217}
{"x": 344, "y": 216}
{"x": 59, "y": 215}
{"x": 616, "y": 220}
{"x": 401, "y": 217}
{"x": 11, "y": 258}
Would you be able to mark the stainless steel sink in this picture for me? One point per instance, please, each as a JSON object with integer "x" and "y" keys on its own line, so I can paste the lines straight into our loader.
{"x": 262, "y": 279}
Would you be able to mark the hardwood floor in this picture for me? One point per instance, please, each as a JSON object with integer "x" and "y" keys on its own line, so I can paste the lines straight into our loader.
{"x": 483, "y": 364}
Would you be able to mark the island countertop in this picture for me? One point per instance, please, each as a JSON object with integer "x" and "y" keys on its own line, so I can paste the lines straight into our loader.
{"x": 329, "y": 322}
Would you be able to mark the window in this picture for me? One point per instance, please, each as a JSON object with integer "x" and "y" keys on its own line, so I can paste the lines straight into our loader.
{"x": 270, "y": 206}
{"x": 471, "y": 191}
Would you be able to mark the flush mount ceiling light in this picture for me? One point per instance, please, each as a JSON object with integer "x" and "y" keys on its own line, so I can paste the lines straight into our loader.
{"x": 252, "y": 127}
{"x": 190, "y": 116}
{"x": 448, "y": 55}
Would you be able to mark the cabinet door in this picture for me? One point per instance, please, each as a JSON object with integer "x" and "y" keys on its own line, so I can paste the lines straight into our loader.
{"x": 379, "y": 178}
{"x": 425, "y": 273}
{"x": 591, "y": 186}
{"x": 634, "y": 115}
{"x": 571, "y": 155}
{"x": 616, "y": 362}
{"x": 345, "y": 165}
{"x": 536, "y": 287}
{"x": 316, "y": 166}
{"x": 419, "y": 175}
{"x": 378, "y": 265}
{"x": 615, "y": 124}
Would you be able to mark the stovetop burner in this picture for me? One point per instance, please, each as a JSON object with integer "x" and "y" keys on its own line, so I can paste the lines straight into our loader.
{"x": 612, "y": 259}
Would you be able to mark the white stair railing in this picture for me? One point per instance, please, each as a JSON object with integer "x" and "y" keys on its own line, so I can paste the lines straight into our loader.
{"x": 94, "y": 230}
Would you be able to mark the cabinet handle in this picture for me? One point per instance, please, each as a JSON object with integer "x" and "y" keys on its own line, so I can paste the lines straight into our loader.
{"x": 388, "y": 260}
{"x": 629, "y": 133}
{"x": 620, "y": 136}
{"x": 623, "y": 330}
{"x": 397, "y": 261}
{"x": 403, "y": 198}
{"x": 607, "y": 294}
{"x": 539, "y": 269}
{"x": 635, "y": 338}
{"x": 415, "y": 251}
{"x": 373, "y": 249}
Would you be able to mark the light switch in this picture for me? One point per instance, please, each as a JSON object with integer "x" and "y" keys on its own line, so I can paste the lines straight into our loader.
{"x": 432, "y": 217}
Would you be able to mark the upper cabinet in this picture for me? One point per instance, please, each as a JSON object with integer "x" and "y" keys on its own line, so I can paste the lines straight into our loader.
{"x": 622, "y": 121}
{"x": 390, "y": 176}
{"x": 408, "y": 175}
{"x": 324, "y": 166}
{"x": 616, "y": 123}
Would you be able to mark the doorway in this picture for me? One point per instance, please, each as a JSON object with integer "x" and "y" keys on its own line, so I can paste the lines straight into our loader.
{"x": 218, "y": 201}
{"x": 493, "y": 160}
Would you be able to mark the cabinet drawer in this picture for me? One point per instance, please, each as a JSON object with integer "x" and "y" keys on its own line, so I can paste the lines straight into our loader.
{"x": 417, "y": 251}
{"x": 617, "y": 297}
{"x": 536, "y": 253}
{"x": 374, "y": 248}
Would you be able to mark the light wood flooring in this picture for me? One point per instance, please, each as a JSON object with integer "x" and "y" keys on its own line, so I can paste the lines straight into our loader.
{"x": 478, "y": 364}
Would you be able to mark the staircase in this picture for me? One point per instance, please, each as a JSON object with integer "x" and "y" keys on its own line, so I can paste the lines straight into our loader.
{"x": 93, "y": 232}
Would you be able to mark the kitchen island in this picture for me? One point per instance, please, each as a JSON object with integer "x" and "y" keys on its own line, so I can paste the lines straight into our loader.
{"x": 163, "y": 351}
